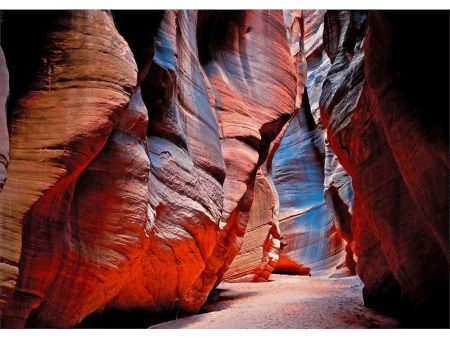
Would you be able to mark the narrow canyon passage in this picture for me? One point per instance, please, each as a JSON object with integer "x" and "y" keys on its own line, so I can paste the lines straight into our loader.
{"x": 290, "y": 302}
{"x": 226, "y": 169}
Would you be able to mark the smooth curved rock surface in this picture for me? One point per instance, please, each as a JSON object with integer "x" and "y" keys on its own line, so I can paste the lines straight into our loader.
{"x": 186, "y": 171}
{"x": 261, "y": 242}
{"x": 152, "y": 219}
{"x": 397, "y": 155}
{"x": 4, "y": 136}
{"x": 305, "y": 221}
{"x": 258, "y": 254}
{"x": 338, "y": 190}
{"x": 46, "y": 164}
{"x": 242, "y": 53}
{"x": 317, "y": 60}
{"x": 338, "y": 194}
{"x": 302, "y": 171}
{"x": 141, "y": 153}
{"x": 124, "y": 204}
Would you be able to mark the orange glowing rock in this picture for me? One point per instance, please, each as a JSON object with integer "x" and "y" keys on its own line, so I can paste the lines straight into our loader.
{"x": 123, "y": 202}
{"x": 253, "y": 101}
{"x": 59, "y": 128}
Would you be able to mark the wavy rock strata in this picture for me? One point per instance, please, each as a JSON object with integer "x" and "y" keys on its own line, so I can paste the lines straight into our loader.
{"x": 4, "y": 138}
{"x": 397, "y": 154}
{"x": 306, "y": 224}
{"x": 262, "y": 239}
{"x": 139, "y": 194}
{"x": 38, "y": 211}
{"x": 243, "y": 53}
{"x": 304, "y": 164}
{"x": 338, "y": 192}
{"x": 140, "y": 171}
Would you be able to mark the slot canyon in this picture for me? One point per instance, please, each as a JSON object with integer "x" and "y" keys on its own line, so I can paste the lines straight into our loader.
{"x": 229, "y": 169}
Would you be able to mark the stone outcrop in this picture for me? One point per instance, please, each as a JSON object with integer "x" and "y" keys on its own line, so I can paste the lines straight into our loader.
{"x": 261, "y": 241}
{"x": 338, "y": 194}
{"x": 139, "y": 194}
{"x": 395, "y": 147}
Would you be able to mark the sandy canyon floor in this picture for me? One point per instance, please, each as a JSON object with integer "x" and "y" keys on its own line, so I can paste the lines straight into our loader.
{"x": 291, "y": 302}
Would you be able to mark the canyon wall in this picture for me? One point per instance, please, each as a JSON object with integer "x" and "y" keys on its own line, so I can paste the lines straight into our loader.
{"x": 312, "y": 242}
{"x": 305, "y": 168}
{"x": 263, "y": 239}
{"x": 338, "y": 191}
{"x": 393, "y": 142}
{"x": 4, "y": 137}
{"x": 253, "y": 102}
{"x": 60, "y": 125}
{"x": 135, "y": 162}
{"x": 153, "y": 155}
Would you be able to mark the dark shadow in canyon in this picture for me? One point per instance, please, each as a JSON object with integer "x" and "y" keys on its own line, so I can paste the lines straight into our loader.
{"x": 124, "y": 319}
{"x": 141, "y": 319}
{"x": 23, "y": 39}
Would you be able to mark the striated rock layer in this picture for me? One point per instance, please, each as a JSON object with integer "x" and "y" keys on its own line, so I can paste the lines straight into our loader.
{"x": 4, "y": 138}
{"x": 381, "y": 128}
{"x": 309, "y": 223}
{"x": 246, "y": 58}
{"x": 39, "y": 215}
{"x": 338, "y": 191}
{"x": 141, "y": 148}
{"x": 261, "y": 241}
{"x": 306, "y": 224}
{"x": 139, "y": 194}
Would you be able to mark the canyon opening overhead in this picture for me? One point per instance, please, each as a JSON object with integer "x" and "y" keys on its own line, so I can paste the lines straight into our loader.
{"x": 224, "y": 169}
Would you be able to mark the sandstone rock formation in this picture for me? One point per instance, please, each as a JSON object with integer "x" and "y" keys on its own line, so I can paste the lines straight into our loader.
{"x": 338, "y": 194}
{"x": 77, "y": 81}
{"x": 382, "y": 131}
{"x": 261, "y": 241}
{"x": 4, "y": 138}
{"x": 242, "y": 53}
{"x": 309, "y": 225}
{"x": 306, "y": 224}
{"x": 139, "y": 194}
{"x": 140, "y": 169}
{"x": 338, "y": 190}
{"x": 317, "y": 60}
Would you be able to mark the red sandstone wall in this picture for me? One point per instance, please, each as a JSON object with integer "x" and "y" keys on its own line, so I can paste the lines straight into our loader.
{"x": 133, "y": 170}
{"x": 394, "y": 147}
